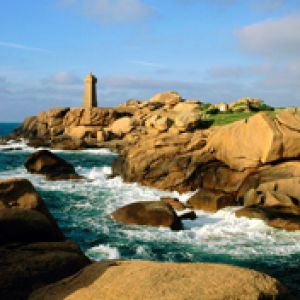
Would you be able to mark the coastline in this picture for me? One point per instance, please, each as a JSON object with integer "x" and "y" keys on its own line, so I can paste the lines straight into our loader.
{"x": 205, "y": 244}
{"x": 151, "y": 162}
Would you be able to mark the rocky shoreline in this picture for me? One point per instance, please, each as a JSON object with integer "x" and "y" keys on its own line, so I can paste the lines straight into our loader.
{"x": 37, "y": 262}
{"x": 162, "y": 143}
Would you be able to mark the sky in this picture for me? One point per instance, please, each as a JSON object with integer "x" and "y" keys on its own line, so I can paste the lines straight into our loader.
{"x": 210, "y": 50}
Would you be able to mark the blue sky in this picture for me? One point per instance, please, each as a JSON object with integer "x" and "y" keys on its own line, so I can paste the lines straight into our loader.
{"x": 211, "y": 50}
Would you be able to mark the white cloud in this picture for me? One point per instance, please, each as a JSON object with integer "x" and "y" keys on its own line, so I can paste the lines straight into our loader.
{"x": 112, "y": 11}
{"x": 21, "y": 46}
{"x": 278, "y": 38}
{"x": 238, "y": 72}
{"x": 146, "y": 63}
{"x": 63, "y": 78}
{"x": 23, "y": 97}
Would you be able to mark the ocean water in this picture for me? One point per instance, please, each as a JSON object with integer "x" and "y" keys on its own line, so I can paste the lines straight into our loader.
{"x": 82, "y": 210}
{"x": 6, "y": 128}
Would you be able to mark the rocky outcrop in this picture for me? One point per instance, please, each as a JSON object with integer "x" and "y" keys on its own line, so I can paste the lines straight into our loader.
{"x": 255, "y": 141}
{"x": 26, "y": 267}
{"x": 98, "y": 125}
{"x": 126, "y": 280}
{"x": 52, "y": 166}
{"x": 23, "y": 214}
{"x": 170, "y": 99}
{"x": 211, "y": 201}
{"x": 280, "y": 217}
{"x": 277, "y": 202}
{"x": 152, "y": 213}
{"x": 165, "y": 161}
{"x": 33, "y": 250}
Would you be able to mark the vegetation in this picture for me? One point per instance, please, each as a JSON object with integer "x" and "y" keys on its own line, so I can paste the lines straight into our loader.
{"x": 230, "y": 117}
{"x": 262, "y": 107}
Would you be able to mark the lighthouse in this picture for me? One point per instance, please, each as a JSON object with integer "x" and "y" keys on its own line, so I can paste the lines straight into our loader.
{"x": 90, "y": 91}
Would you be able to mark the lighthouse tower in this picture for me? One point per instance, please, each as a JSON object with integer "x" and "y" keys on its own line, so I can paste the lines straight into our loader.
{"x": 90, "y": 91}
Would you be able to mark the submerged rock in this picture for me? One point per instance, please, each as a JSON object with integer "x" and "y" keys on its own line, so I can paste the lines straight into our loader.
{"x": 53, "y": 167}
{"x": 152, "y": 213}
{"x": 127, "y": 280}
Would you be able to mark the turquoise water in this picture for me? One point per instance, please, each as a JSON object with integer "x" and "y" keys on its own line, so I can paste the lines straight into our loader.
{"x": 82, "y": 210}
{"x": 6, "y": 128}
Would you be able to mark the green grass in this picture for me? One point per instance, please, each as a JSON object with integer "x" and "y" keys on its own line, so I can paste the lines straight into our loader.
{"x": 227, "y": 118}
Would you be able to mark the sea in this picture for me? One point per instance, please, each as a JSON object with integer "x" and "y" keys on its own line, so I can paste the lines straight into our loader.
{"x": 82, "y": 210}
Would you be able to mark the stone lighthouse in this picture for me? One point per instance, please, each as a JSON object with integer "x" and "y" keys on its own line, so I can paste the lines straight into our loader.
{"x": 90, "y": 91}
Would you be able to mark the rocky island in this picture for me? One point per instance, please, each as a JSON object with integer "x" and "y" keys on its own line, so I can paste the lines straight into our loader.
{"x": 244, "y": 154}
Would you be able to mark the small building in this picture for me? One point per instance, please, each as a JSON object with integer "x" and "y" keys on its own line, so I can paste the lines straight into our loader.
{"x": 222, "y": 107}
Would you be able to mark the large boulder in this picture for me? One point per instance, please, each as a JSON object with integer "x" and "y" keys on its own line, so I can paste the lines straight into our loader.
{"x": 158, "y": 123}
{"x": 121, "y": 126}
{"x": 26, "y": 226}
{"x": 247, "y": 143}
{"x": 26, "y": 267}
{"x": 33, "y": 250}
{"x": 169, "y": 99}
{"x": 23, "y": 214}
{"x": 255, "y": 141}
{"x": 152, "y": 213}
{"x": 187, "y": 106}
{"x": 165, "y": 161}
{"x": 187, "y": 121}
{"x": 283, "y": 191}
{"x": 127, "y": 280}
{"x": 211, "y": 200}
{"x": 289, "y": 126}
{"x": 52, "y": 166}
{"x": 82, "y": 132}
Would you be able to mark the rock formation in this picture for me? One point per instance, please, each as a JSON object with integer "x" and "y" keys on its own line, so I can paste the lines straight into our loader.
{"x": 162, "y": 144}
{"x": 152, "y": 213}
{"x": 127, "y": 280}
{"x": 52, "y": 166}
{"x": 33, "y": 250}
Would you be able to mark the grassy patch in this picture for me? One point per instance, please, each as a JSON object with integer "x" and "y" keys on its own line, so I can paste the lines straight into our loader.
{"x": 227, "y": 118}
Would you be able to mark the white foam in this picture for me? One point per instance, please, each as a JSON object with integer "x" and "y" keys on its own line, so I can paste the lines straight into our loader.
{"x": 216, "y": 233}
{"x": 104, "y": 252}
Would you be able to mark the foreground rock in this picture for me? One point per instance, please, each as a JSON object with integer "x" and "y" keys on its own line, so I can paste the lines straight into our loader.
{"x": 52, "y": 166}
{"x": 26, "y": 267}
{"x": 127, "y": 280}
{"x": 23, "y": 215}
{"x": 152, "y": 213}
{"x": 33, "y": 250}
